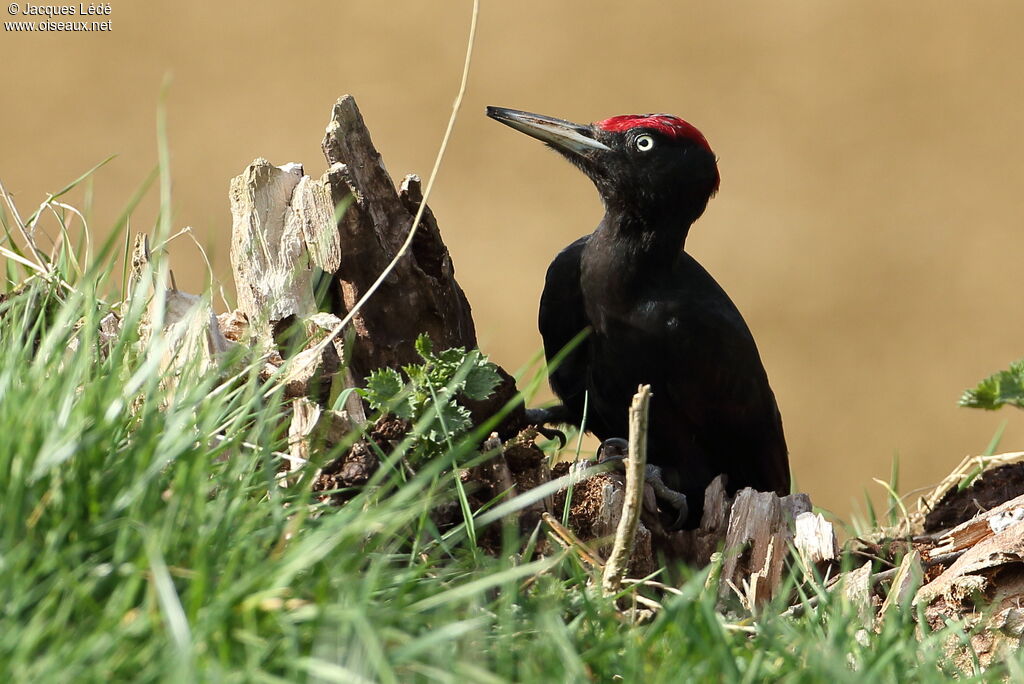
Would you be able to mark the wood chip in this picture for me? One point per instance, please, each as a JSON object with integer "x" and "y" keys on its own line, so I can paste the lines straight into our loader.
{"x": 815, "y": 539}
{"x": 907, "y": 580}
{"x": 967, "y": 574}
{"x": 970, "y": 533}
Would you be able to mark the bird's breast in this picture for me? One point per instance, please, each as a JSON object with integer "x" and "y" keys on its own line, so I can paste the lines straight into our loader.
{"x": 637, "y": 316}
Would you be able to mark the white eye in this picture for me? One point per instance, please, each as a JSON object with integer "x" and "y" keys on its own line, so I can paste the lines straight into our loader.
{"x": 644, "y": 143}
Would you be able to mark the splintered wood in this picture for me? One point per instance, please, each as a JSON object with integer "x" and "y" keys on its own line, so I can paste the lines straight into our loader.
{"x": 815, "y": 540}
{"x": 305, "y": 250}
{"x": 303, "y": 245}
{"x": 283, "y": 226}
{"x": 760, "y": 532}
{"x": 421, "y": 295}
{"x": 189, "y": 327}
{"x": 970, "y": 570}
{"x": 982, "y": 527}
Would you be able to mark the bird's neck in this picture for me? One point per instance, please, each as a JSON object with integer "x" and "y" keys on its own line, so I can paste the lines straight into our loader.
{"x": 642, "y": 241}
{"x": 627, "y": 252}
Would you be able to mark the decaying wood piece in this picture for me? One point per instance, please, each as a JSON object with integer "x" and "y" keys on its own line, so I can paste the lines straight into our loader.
{"x": 697, "y": 546}
{"x": 187, "y": 318}
{"x": 981, "y": 527}
{"x": 304, "y": 252}
{"x": 529, "y": 466}
{"x": 353, "y": 467}
{"x": 319, "y": 326}
{"x": 856, "y": 586}
{"x": 974, "y": 574}
{"x": 282, "y": 227}
{"x": 421, "y": 295}
{"x": 794, "y": 505}
{"x": 757, "y": 542}
{"x": 815, "y": 541}
{"x": 905, "y": 583}
{"x": 188, "y": 325}
{"x": 971, "y": 573}
{"x": 305, "y": 416}
{"x": 494, "y": 475}
{"x": 304, "y": 248}
{"x": 310, "y": 373}
{"x": 751, "y": 539}
{"x": 233, "y": 325}
{"x": 511, "y": 468}
{"x": 315, "y": 429}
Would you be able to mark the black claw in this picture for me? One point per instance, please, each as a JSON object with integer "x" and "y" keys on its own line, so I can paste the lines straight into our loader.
{"x": 676, "y": 500}
{"x": 615, "y": 451}
{"x": 684, "y": 513}
{"x": 539, "y": 416}
{"x": 553, "y": 433}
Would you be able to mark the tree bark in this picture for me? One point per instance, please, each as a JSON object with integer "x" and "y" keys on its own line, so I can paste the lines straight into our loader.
{"x": 421, "y": 295}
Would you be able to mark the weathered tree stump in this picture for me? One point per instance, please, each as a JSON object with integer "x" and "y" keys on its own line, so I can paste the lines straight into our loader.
{"x": 290, "y": 231}
{"x": 305, "y": 251}
{"x": 421, "y": 295}
{"x": 294, "y": 236}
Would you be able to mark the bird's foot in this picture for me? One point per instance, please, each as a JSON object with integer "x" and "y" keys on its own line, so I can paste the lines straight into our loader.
{"x": 538, "y": 417}
{"x": 677, "y": 500}
{"x": 613, "y": 450}
{"x": 616, "y": 450}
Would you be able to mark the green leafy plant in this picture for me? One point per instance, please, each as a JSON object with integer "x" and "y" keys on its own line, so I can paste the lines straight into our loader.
{"x": 1003, "y": 388}
{"x": 432, "y": 390}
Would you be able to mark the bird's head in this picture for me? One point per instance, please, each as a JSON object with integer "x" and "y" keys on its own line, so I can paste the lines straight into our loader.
{"x": 650, "y": 164}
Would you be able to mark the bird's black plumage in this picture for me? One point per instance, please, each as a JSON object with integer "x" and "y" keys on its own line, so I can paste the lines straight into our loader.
{"x": 655, "y": 315}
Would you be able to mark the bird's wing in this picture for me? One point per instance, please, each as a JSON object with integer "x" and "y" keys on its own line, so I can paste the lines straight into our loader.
{"x": 731, "y": 411}
{"x": 561, "y": 318}
{"x": 716, "y": 384}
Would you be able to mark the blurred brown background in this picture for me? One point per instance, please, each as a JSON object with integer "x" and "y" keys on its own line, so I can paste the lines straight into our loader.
{"x": 868, "y": 224}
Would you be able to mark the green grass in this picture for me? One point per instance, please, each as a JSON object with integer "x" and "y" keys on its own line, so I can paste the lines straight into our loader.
{"x": 144, "y": 536}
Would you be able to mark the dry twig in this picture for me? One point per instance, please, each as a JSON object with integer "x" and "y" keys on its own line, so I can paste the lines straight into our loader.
{"x": 615, "y": 569}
